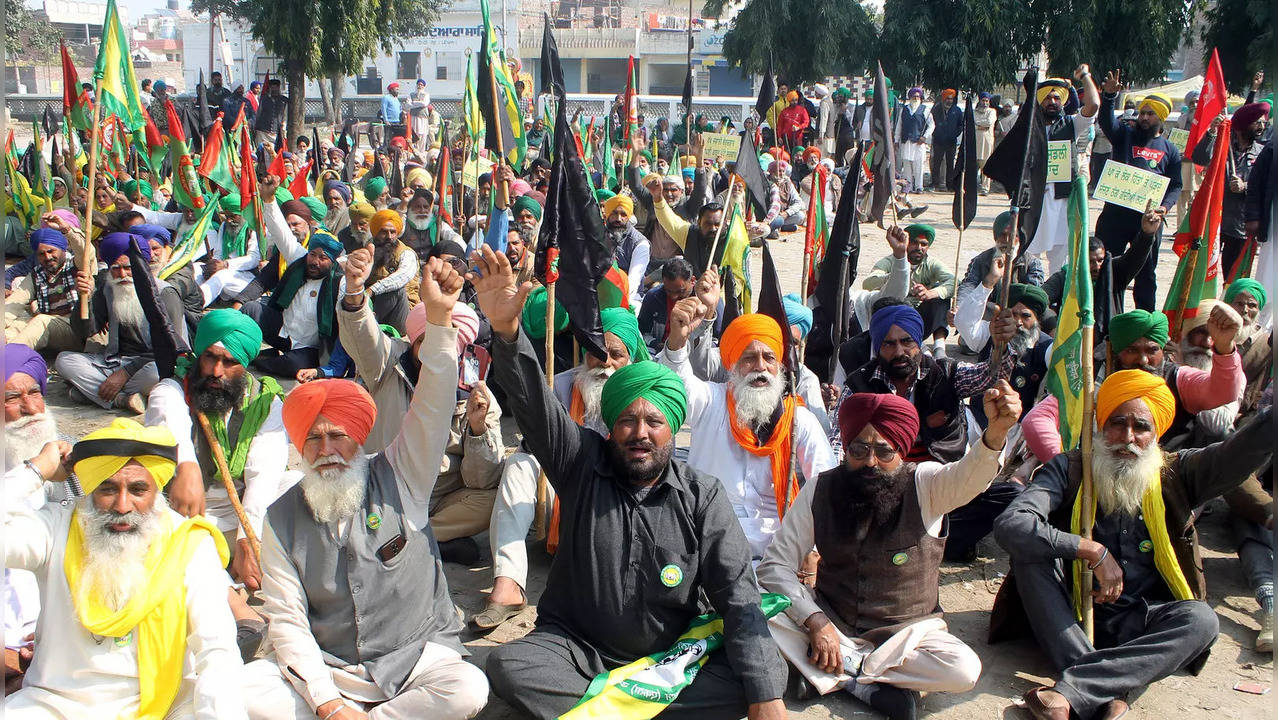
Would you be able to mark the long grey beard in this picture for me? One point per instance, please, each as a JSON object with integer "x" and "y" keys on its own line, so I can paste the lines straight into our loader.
{"x": 115, "y": 562}
{"x": 125, "y": 306}
{"x": 26, "y": 437}
{"x": 337, "y": 493}
{"x": 1024, "y": 339}
{"x": 590, "y": 384}
{"x": 1195, "y": 357}
{"x": 755, "y": 406}
{"x": 1120, "y": 482}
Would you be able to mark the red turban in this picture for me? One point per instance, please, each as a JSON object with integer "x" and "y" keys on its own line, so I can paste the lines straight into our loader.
{"x": 892, "y": 415}
{"x": 744, "y": 330}
{"x": 342, "y": 401}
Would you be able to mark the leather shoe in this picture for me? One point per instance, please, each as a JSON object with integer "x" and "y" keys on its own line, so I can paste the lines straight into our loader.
{"x": 1113, "y": 710}
{"x": 1045, "y": 703}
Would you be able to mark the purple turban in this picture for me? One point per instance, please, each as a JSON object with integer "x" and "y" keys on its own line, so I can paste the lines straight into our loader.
{"x": 892, "y": 415}
{"x": 48, "y": 236}
{"x": 115, "y": 244}
{"x": 154, "y": 232}
{"x": 342, "y": 189}
{"x": 19, "y": 358}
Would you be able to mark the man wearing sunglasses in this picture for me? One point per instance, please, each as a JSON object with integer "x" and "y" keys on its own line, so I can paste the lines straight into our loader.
{"x": 872, "y": 624}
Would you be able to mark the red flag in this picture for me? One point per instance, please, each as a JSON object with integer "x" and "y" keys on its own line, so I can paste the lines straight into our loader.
{"x": 444, "y": 185}
{"x": 1211, "y": 102}
{"x": 277, "y": 168}
{"x": 632, "y": 100}
{"x": 1197, "y": 242}
{"x": 213, "y": 162}
{"x": 298, "y": 187}
{"x": 175, "y": 124}
{"x": 76, "y": 105}
{"x": 248, "y": 174}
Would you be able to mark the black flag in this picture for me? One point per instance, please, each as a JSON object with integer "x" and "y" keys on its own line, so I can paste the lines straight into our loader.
{"x": 830, "y": 321}
{"x": 751, "y": 173}
{"x": 396, "y": 180}
{"x": 1020, "y": 160}
{"x": 344, "y": 140}
{"x": 965, "y": 179}
{"x": 552, "y": 72}
{"x": 687, "y": 90}
{"x": 51, "y": 121}
{"x": 165, "y": 342}
{"x": 572, "y": 250}
{"x": 731, "y": 299}
{"x": 884, "y": 164}
{"x": 767, "y": 94}
{"x": 203, "y": 116}
{"x": 317, "y": 160}
{"x": 771, "y": 304}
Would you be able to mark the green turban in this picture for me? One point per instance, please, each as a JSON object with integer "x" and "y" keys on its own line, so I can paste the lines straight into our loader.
{"x": 234, "y": 330}
{"x": 1131, "y": 326}
{"x": 921, "y": 230}
{"x": 282, "y": 195}
{"x": 229, "y": 203}
{"x": 603, "y": 194}
{"x": 374, "y": 188}
{"x": 651, "y": 381}
{"x": 317, "y": 207}
{"x": 1249, "y": 286}
{"x": 623, "y": 323}
{"x": 523, "y": 202}
{"x": 534, "y": 315}
{"x": 1001, "y": 222}
{"x": 140, "y": 187}
{"x": 1031, "y": 296}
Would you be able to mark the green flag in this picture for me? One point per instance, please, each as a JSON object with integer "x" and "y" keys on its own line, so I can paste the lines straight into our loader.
{"x": 117, "y": 83}
{"x": 1065, "y": 377}
{"x": 470, "y": 104}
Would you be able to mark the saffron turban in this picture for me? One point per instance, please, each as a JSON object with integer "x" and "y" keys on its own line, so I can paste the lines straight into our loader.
{"x": 623, "y": 323}
{"x": 344, "y": 402}
{"x": 19, "y": 358}
{"x": 812, "y": 152}
{"x": 48, "y": 236}
{"x": 1031, "y": 296}
{"x": 894, "y": 417}
{"x": 1249, "y": 286}
{"x": 1052, "y": 86}
{"x": 651, "y": 381}
{"x": 617, "y": 201}
{"x": 1161, "y": 106}
{"x": 791, "y": 96}
{"x": 1126, "y": 385}
{"x": 318, "y": 210}
{"x": 1250, "y": 113}
{"x": 326, "y": 242}
{"x": 382, "y": 218}
{"x": 523, "y": 202}
{"x": 342, "y": 189}
{"x": 102, "y": 453}
{"x": 948, "y": 93}
{"x": 1131, "y": 326}
{"x": 796, "y": 313}
{"x": 744, "y": 330}
{"x": 533, "y": 317}
{"x": 373, "y": 188}
{"x": 113, "y": 245}
{"x": 902, "y": 316}
{"x": 233, "y": 330}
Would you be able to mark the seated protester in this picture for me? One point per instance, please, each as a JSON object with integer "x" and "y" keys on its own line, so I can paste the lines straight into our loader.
{"x": 422, "y": 227}
{"x": 124, "y": 372}
{"x": 118, "y": 565}
{"x": 1026, "y": 269}
{"x": 1195, "y": 351}
{"x": 1251, "y": 512}
{"x": 179, "y": 223}
{"x": 462, "y": 498}
{"x": 1136, "y": 341}
{"x": 677, "y": 282}
{"x": 337, "y": 200}
{"x": 377, "y": 191}
{"x": 1150, "y": 617}
{"x": 359, "y": 612}
{"x": 872, "y": 624}
{"x": 786, "y": 209}
{"x": 747, "y": 428}
{"x": 579, "y": 390}
{"x": 1027, "y": 304}
{"x": 53, "y": 296}
{"x": 938, "y": 388}
{"x": 297, "y": 320}
{"x": 297, "y": 222}
{"x": 182, "y": 279}
{"x": 630, "y": 247}
{"x": 231, "y": 267}
{"x": 930, "y": 285}
{"x": 139, "y": 192}
{"x": 1111, "y": 275}
{"x": 601, "y": 608}
{"x": 1248, "y": 297}
{"x": 665, "y": 243}
{"x": 357, "y": 233}
{"x": 393, "y": 283}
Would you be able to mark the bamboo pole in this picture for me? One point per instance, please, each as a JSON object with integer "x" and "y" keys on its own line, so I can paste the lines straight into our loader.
{"x": 1088, "y": 516}
{"x": 225, "y": 472}
{"x": 958, "y": 250}
{"x": 543, "y": 486}
{"x": 1005, "y": 285}
{"x": 83, "y": 260}
{"x": 727, "y": 210}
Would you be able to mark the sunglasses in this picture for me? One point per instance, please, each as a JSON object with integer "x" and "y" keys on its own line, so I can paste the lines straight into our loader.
{"x": 858, "y": 450}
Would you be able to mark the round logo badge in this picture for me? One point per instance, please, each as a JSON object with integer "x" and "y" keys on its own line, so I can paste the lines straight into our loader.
{"x": 671, "y": 576}
{"x": 900, "y": 558}
{"x": 374, "y": 521}
{"x": 1146, "y": 546}
{"x": 124, "y": 641}
{"x": 1019, "y": 381}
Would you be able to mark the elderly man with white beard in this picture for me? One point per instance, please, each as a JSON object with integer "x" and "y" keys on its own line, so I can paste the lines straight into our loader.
{"x": 134, "y": 620}
{"x": 580, "y": 390}
{"x": 745, "y": 431}
{"x": 125, "y": 371}
{"x": 1195, "y": 351}
{"x": 422, "y": 227}
{"x": 358, "y": 606}
{"x": 1150, "y": 617}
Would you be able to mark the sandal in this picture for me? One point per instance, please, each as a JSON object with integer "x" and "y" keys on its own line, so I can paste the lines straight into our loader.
{"x": 494, "y": 615}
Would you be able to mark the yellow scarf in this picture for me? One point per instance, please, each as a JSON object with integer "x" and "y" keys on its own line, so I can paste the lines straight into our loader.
{"x": 1151, "y": 505}
{"x": 157, "y": 611}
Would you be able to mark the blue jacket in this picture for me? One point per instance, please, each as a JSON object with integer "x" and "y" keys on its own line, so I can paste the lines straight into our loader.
{"x": 949, "y": 125}
{"x": 1157, "y": 155}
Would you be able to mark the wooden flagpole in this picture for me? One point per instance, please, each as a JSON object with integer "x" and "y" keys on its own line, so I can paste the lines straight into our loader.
{"x": 83, "y": 260}
{"x": 1088, "y": 516}
{"x": 225, "y": 472}
{"x": 958, "y": 249}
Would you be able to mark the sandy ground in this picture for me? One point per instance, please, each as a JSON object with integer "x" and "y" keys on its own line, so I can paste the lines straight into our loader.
{"x": 966, "y": 591}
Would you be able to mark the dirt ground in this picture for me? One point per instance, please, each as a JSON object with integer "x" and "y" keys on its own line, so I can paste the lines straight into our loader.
{"x": 966, "y": 591}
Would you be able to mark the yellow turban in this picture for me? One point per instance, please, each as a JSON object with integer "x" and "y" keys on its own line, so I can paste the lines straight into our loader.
{"x": 417, "y": 174}
{"x": 360, "y": 209}
{"x": 1161, "y": 106}
{"x": 102, "y": 453}
{"x": 382, "y": 218}
{"x": 1127, "y": 385}
{"x": 1059, "y": 86}
{"x": 616, "y": 201}
{"x": 744, "y": 330}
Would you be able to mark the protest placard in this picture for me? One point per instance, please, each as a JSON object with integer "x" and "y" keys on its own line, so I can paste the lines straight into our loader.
{"x": 722, "y": 145}
{"x": 1179, "y": 138}
{"x": 1058, "y": 161}
{"x": 1130, "y": 187}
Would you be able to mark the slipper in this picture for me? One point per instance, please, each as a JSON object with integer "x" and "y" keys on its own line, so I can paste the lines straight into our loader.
{"x": 494, "y": 615}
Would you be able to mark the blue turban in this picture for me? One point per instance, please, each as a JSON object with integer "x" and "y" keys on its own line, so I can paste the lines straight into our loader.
{"x": 689, "y": 173}
{"x": 325, "y": 241}
{"x": 902, "y": 316}
{"x": 342, "y": 189}
{"x": 115, "y": 244}
{"x": 19, "y": 358}
{"x": 154, "y": 232}
{"x": 796, "y": 313}
{"x": 983, "y": 96}
{"x": 48, "y": 236}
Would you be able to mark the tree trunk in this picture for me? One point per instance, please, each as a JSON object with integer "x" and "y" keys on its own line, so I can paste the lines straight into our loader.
{"x": 326, "y": 101}
{"x": 296, "y": 101}
{"x": 336, "y": 94}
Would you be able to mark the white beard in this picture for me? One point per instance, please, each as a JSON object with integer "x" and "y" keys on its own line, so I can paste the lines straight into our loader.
{"x": 754, "y": 406}
{"x": 25, "y": 437}
{"x": 418, "y": 222}
{"x": 1024, "y": 340}
{"x": 338, "y": 493}
{"x": 590, "y": 384}
{"x": 125, "y": 306}
{"x": 1120, "y": 482}
{"x": 115, "y": 562}
{"x": 1194, "y": 356}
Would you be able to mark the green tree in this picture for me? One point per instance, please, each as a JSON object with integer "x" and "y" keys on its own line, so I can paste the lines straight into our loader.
{"x": 972, "y": 45}
{"x": 1243, "y": 32}
{"x": 28, "y": 38}
{"x": 806, "y": 40}
{"x": 1137, "y": 36}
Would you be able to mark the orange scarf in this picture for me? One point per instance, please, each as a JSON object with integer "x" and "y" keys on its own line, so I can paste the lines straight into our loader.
{"x": 777, "y": 449}
{"x": 577, "y": 409}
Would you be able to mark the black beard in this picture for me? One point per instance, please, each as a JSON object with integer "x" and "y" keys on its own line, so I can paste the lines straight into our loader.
{"x": 1141, "y": 136}
{"x": 639, "y": 474}
{"x": 898, "y": 372}
{"x": 870, "y": 497}
{"x": 217, "y": 401}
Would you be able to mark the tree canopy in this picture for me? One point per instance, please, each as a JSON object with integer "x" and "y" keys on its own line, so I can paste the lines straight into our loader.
{"x": 1226, "y": 21}
{"x": 1137, "y": 36}
{"x": 967, "y": 45}
{"x": 806, "y": 41}
{"x": 27, "y": 36}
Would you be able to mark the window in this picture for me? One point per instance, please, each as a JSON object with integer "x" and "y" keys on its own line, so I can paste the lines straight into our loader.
{"x": 441, "y": 72}
{"x": 410, "y": 65}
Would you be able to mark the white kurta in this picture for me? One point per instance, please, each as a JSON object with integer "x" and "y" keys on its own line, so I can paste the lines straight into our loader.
{"x": 747, "y": 478}
{"x": 76, "y": 674}
{"x": 299, "y": 317}
{"x": 1053, "y": 222}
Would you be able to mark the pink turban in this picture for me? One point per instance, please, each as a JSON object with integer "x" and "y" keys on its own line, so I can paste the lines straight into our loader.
{"x": 519, "y": 187}
{"x": 71, "y": 218}
{"x": 464, "y": 319}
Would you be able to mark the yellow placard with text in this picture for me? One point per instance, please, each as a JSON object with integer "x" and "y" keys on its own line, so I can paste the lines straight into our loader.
{"x": 724, "y": 145}
{"x": 1178, "y": 137}
{"x": 473, "y": 169}
{"x": 1058, "y": 165}
{"x": 1130, "y": 187}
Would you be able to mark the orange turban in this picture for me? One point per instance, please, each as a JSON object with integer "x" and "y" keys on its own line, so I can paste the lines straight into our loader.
{"x": 382, "y": 218}
{"x": 948, "y": 93}
{"x": 745, "y": 330}
{"x": 342, "y": 401}
{"x": 1127, "y": 385}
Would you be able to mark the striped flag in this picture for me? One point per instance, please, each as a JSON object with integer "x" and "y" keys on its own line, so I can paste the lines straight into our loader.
{"x": 1198, "y": 242}
{"x": 76, "y": 105}
{"x": 736, "y": 258}
{"x": 191, "y": 244}
{"x": 1065, "y": 376}
{"x": 816, "y": 232}
{"x": 25, "y": 203}
{"x": 632, "y": 101}
{"x": 214, "y": 162}
{"x": 470, "y": 104}
{"x": 117, "y": 82}
{"x": 498, "y": 101}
